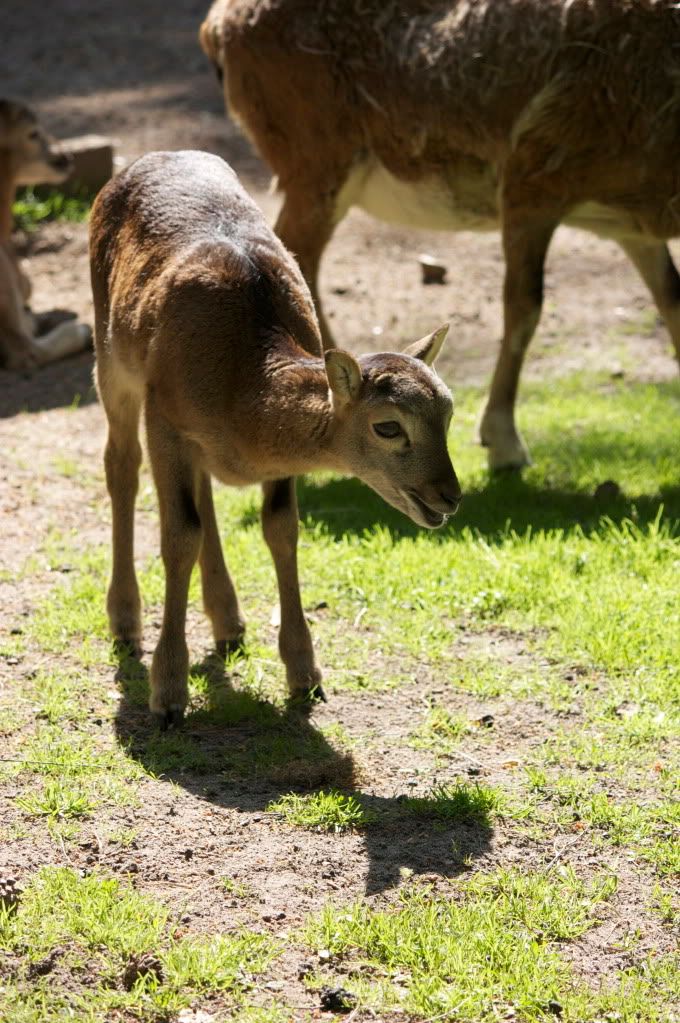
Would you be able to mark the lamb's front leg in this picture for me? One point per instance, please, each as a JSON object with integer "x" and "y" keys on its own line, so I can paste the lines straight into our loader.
{"x": 280, "y": 527}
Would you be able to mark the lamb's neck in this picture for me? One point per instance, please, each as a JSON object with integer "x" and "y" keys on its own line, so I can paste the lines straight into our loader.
{"x": 301, "y": 411}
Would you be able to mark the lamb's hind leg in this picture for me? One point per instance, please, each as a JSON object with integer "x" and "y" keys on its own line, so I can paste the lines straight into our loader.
{"x": 655, "y": 265}
{"x": 122, "y": 458}
{"x": 280, "y": 527}
{"x": 177, "y": 478}
{"x": 219, "y": 596}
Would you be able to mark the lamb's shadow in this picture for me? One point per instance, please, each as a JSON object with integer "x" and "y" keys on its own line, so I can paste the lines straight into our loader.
{"x": 242, "y": 752}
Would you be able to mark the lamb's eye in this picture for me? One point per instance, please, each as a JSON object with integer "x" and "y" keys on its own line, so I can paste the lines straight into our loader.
{"x": 388, "y": 429}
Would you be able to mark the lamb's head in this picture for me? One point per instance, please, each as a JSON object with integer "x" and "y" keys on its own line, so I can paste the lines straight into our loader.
{"x": 392, "y": 414}
{"x": 33, "y": 158}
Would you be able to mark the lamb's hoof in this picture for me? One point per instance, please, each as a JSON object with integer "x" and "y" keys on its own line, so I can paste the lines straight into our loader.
{"x": 230, "y": 647}
{"x": 169, "y": 719}
{"x": 308, "y": 696}
{"x": 127, "y": 649}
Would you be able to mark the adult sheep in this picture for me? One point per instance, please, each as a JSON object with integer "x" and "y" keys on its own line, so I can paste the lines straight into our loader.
{"x": 467, "y": 114}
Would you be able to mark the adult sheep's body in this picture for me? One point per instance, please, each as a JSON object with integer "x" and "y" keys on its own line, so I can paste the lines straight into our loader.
{"x": 468, "y": 115}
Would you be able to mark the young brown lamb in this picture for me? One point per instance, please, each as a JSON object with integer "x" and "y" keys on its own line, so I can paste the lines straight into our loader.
{"x": 203, "y": 318}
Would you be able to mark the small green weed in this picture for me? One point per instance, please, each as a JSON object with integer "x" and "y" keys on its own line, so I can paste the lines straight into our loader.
{"x": 31, "y": 208}
{"x": 57, "y": 800}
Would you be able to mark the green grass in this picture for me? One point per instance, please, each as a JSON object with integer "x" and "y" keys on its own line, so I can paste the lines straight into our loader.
{"x": 322, "y": 811}
{"x": 537, "y": 597}
{"x": 459, "y": 802}
{"x": 95, "y": 925}
{"x": 488, "y": 949}
{"x": 33, "y": 206}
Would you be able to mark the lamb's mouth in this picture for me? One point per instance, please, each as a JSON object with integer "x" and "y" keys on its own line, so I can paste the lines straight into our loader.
{"x": 426, "y": 516}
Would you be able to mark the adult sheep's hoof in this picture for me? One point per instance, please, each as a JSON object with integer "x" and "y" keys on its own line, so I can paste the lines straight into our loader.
{"x": 506, "y": 449}
{"x": 165, "y": 720}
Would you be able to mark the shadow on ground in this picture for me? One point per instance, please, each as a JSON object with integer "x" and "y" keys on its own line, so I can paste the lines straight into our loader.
{"x": 505, "y": 501}
{"x": 62, "y": 384}
{"x": 243, "y": 752}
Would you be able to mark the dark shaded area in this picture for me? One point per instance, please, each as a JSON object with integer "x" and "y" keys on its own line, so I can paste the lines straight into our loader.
{"x": 61, "y": 384}
{"x": 242, "y": 752}
{"x": 506, "y": 501}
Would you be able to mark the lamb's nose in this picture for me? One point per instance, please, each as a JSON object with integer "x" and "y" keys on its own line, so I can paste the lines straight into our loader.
{"x": 450, "y": 493}
{"x": 62, "y": 161}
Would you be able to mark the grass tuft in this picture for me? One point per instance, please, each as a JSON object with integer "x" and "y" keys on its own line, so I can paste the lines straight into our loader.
{"x": 458, "y": 802}
{"x": 322, "y": 811}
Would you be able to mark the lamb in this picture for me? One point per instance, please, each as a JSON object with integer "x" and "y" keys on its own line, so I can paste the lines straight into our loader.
{"x": 203, "y": 318}
{"x": 467, "y": 115}
{"x": 27, "y": 157}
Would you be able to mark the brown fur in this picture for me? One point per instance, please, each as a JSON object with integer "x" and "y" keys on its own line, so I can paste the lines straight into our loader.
{"x": 520, "y": 114}
{"x": 203, "y": 318}
{"x": 27, "y": 157}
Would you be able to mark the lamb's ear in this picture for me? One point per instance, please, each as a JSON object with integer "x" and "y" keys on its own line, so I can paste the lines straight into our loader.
{"x": 344, "y": 375}
{"x": 428, "y": 348}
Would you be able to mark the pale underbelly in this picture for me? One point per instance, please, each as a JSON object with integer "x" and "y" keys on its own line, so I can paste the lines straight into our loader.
{"x": 457, "y": 202}
{"x": 465, "y": 199}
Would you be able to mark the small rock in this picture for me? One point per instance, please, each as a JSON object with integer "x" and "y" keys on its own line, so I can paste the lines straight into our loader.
{"x": 433, "y": 272}
{"x": 486, "y": 721}
{"x": 141, "y": 966}
{"x": 195, "y": 1016}
{"x": 555, "y": 1008}
{"x": 324, "y": 955}
{"x": 607, "y": 491}
{"x": 129, "y": 868}
{"x": 188, "y": 854}
{"x": 473, "y": 771}
{"x": 337, "y": 999}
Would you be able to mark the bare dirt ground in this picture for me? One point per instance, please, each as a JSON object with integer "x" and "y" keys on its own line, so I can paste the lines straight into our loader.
{"x": 134, "y": 71}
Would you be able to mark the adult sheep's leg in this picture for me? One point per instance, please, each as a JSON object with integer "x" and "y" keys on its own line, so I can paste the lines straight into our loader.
{"x": 525, "y": 242}
{"x": 305, "y": 225}
{"x": 280, "y": 527}
{"x": 177, "y": 479}
{"x": 655, "y": 265}
{"x": 219, "y": 596}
